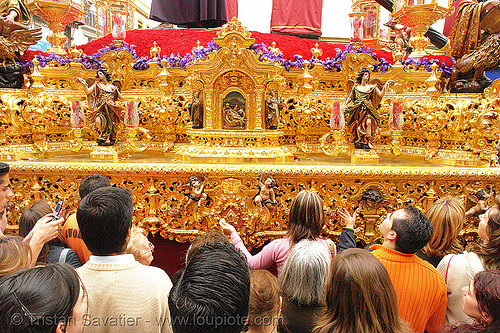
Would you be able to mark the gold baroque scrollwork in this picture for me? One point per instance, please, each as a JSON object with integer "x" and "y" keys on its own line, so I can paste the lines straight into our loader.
{"x": 158, "y": 191}
{"x": 439, "y": 127}
{"x": 119, "y": 64}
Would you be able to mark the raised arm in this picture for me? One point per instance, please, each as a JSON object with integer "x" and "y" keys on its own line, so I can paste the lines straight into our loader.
{"x": 11, "y": 17}
{"x": 384, "y": 89}
{"x": 86, "y": 89}
{"x": 119, "y": 94}
{"x": 43, "y": 232}
{"x": 347, "y": 238}
{"x": 264, "y": 259}
{"x": 259, "y": 180}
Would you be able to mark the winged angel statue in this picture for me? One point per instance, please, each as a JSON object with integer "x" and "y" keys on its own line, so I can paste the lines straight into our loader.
{"x": 15, "y": 38}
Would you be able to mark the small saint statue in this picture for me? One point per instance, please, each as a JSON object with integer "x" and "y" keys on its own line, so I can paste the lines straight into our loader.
{"x": 102, "y": 97}
{"x": 361, "y": 109}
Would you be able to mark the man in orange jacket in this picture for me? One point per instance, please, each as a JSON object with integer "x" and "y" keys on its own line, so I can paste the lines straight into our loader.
{"x": 420, "y": 289}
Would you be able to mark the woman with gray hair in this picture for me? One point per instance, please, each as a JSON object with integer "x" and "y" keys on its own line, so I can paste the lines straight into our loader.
{"x": 303, "y": 286}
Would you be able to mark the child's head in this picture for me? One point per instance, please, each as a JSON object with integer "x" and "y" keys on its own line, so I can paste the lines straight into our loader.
{"x": 140, "y": 246}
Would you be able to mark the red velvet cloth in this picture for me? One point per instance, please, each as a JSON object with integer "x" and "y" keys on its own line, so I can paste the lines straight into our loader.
{"x": 182, "y": 41}
{"x": 170, "y": 255}
{"x": 231, "y": 9}
{"x": 297, "y": 16}
{"x": 448, "y": 21}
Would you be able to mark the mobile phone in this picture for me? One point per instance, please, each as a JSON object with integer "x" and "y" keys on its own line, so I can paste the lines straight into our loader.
{"x": 57, "y": 210}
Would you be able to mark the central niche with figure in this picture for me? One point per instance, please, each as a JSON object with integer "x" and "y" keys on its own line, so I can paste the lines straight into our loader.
{"x": 234, "y": 115}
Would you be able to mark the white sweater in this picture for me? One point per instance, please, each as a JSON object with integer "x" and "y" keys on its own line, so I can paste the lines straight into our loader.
{"x": 126, "y": 297}
{"x": 458, "y": 271}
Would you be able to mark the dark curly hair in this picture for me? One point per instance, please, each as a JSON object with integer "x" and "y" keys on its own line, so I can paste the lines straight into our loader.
{"x": 487, "y": 290}
{"x": 372, "y": 195}
{"x": 481, "y": 194}
{"x": 105, "y": 72}
{"x": 361, "y": 73}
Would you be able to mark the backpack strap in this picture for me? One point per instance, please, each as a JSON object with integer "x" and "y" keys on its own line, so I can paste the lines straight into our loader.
{"x": 447, "y": 268}
{"x": 63, "y": 255}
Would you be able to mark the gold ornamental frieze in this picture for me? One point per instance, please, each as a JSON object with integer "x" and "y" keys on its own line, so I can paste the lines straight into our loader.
{"x": 162, "y": 203}
{"x": 231, "y": 99}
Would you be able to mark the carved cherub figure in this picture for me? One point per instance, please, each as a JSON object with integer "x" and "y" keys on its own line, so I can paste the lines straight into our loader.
{"x": 481, "y": 200}
{"x": 266, "y": 193}
{"x": 196, "y": 193}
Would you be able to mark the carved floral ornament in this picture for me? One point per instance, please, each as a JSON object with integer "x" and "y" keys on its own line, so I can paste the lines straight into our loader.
{"x": 438, "y": 127}
{"x": 422, "y": 115}
{"x": 159, "y": 194}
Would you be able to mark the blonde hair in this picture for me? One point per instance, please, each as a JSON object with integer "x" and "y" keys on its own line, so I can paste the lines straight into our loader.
{"x": 447, "y": 216}
{"x": 137, "y": 237}
{"x": 306, "y": 218}
{"x": 264, "y": 298}
{"x": 14, "y": 255}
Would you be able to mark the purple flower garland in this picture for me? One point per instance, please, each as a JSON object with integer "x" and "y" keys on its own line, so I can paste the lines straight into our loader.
{"x": 142, "y": 63}
{"x": 335, "y": 64}
{"x": 426, "y": 63}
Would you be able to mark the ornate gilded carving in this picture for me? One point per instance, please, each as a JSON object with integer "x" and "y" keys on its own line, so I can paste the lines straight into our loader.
{"x": 420, "y": 17}
{"x": 158, "y": 190}
{"x": 316, "y": 52}
{"x": 233, "y": 26}
{"x": 433, "y": 125}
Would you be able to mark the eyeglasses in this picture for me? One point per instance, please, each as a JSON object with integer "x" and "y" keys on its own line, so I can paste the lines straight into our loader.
{"x": 26, "y": 312}
{"x": 151, "y": 249}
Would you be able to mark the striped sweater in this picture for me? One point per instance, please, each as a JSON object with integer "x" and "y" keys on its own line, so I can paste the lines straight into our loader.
{"x": 420, "y": 289}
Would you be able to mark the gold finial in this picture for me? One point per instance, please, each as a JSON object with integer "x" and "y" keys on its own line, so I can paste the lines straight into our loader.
{"x": 274, "y": 49}
{"x": 316, "y": 51}
{"x": 37, "y": 78}
{"x": 154, "y": 52}
{"x": 74, "y": 52}
{"x": 432, "y": 81}
{"x": 231, "y": 26}
{"x": 198, "y": 45}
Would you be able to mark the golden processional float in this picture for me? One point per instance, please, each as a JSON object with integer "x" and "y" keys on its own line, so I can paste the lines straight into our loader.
{"x": 211, "y": 124}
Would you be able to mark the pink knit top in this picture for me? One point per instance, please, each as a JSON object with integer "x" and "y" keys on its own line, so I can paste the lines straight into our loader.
{"x": 275, "y": 252}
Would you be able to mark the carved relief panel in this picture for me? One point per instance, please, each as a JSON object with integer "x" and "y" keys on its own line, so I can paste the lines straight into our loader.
{"x": 233, "y": 105}
{"x": 234, "y": 113}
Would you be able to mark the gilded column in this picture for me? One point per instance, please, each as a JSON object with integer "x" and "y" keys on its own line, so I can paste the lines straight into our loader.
{"x": 211, "y": 119}
{"x": 259, "y": 92}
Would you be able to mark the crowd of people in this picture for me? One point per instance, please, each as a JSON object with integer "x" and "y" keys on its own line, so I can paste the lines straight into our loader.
{"x": 90, "y": 272}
